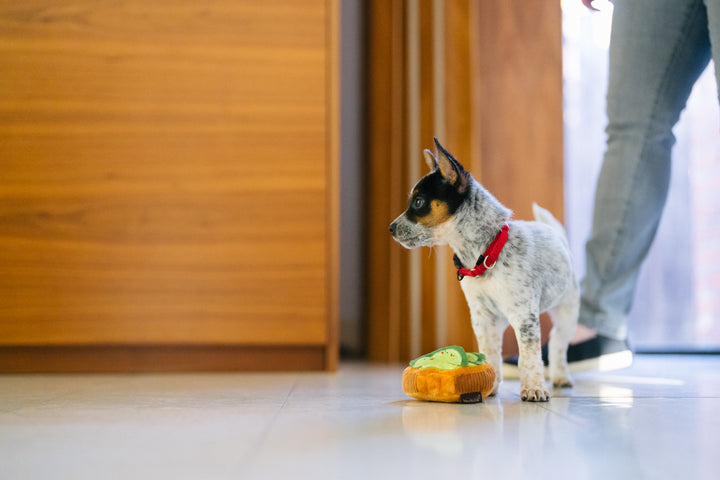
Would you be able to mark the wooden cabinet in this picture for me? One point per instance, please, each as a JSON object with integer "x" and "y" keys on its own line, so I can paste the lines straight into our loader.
{"x": 168, "y": 185}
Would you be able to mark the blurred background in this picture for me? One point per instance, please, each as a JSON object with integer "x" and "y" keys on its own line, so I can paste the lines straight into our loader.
{"x": 207, "y": 185}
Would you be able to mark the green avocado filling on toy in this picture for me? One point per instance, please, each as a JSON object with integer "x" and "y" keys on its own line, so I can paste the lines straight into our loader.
{"x": 449, "y": 358}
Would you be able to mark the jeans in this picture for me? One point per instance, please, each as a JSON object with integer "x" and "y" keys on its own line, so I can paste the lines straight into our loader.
{"x": 658, "y": 49}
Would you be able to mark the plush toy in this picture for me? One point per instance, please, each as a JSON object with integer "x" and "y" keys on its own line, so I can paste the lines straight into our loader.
{"x": 449, "y": 374}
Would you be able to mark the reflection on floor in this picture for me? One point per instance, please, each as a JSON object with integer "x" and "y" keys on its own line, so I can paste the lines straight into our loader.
{"x": 657, "y": 419}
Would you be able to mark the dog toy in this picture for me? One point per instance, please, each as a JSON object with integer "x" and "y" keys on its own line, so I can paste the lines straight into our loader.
{"x": 450, "y": 375}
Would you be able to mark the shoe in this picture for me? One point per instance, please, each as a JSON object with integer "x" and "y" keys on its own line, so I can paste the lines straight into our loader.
{"x": 599, "y": 353}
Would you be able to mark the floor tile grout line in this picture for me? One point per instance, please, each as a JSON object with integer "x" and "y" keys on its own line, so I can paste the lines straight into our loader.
{"x": 287, "y": 397}
{"x": 251, "y": 454}
{"x": 546, "y": 406}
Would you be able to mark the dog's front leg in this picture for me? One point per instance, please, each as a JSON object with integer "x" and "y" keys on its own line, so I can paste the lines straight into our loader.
{"x": 489, "y": 328}
{"x": 530, "y": 364}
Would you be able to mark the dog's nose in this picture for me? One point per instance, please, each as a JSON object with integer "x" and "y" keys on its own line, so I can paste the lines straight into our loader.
{"x": 393, "y": 229}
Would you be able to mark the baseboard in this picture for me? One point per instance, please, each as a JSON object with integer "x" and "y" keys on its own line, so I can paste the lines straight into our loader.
{"x": 160, "y": 358}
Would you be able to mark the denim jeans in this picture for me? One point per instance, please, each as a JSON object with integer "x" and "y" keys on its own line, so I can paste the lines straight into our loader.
{"x": 658, "y": 49}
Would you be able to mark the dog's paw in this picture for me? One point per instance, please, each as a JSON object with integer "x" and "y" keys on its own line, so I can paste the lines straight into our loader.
{"x": 534, "y": 395}
{"x": 563, "y": 382}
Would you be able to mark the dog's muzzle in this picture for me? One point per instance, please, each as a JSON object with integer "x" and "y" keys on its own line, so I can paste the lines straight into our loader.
{"x": 410, "y": 234}
{"x": 393, "y": 228}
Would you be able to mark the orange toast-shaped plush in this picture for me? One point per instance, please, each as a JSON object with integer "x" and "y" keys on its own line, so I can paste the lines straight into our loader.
{"x": 449, "y": 374}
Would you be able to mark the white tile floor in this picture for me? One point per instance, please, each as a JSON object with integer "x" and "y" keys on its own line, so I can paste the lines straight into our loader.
{"x": 658, "y": 419}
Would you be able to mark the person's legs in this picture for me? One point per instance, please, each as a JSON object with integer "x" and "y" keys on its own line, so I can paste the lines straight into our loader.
{"x": 658, "y": 50}
{"x": 713, "y": 14}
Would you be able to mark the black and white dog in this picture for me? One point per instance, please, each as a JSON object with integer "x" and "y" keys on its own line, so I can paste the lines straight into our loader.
{"x": 510, "y": 270}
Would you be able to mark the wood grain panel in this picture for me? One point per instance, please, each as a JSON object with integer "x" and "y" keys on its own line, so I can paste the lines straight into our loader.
{"x": 520, "y": 118}
{"x": 164, "y": 172}
{"x": 387, "y": 185}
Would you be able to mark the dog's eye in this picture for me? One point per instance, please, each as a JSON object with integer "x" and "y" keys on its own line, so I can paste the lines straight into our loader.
{"x": 418, "y": 202}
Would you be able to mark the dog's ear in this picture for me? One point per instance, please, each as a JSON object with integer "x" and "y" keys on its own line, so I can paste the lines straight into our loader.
{"x": 430, "y": 159}
{"x": 450, "y": 169}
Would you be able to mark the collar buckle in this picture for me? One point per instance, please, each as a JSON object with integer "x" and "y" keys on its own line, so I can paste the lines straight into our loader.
{"x": 492, "y": 253}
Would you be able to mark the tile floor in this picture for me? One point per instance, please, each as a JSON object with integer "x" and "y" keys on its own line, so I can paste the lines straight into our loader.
{"x": 659, "y": 419}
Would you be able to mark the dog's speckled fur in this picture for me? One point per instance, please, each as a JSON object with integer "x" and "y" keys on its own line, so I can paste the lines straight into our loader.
{"x": 533, "y": 273}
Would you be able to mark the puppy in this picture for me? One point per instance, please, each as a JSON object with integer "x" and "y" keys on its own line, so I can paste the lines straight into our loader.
{"x": 510, "y": 271}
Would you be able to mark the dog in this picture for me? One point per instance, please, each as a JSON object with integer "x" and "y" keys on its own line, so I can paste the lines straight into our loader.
{"x": 509, "y": 270}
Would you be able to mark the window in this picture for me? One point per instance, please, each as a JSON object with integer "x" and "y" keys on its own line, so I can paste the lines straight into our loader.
{"x": 677, "y": 302}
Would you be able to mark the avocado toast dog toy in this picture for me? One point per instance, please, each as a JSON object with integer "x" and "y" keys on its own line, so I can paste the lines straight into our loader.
{"x": 449, "y": 374}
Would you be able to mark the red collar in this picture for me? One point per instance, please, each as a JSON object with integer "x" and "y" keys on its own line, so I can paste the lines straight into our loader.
{"x": 487, "y": 260}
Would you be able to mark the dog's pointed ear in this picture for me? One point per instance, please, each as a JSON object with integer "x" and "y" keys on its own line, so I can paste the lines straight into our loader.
{"x": 430, "y": 159}
{"x": 450, "y": 169}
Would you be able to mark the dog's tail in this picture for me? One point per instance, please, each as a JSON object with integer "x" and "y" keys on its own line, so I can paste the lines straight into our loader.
{"x": 544, "y": 216}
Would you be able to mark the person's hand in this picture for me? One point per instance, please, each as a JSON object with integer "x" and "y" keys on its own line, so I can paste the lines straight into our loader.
{"x": 588, "y": 4}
